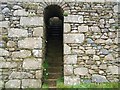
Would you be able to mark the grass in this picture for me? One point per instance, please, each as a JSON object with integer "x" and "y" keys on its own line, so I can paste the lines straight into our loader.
{"x": 60, "y": 84}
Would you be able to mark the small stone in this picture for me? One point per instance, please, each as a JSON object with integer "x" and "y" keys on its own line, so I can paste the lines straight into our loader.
{"x": 104, "y": 51}
{"x": 71, "y": 80}
{"x": 73, "y": 38}
{"x": 68, "y": 69}
{"x": 1, "y": 84}
{"x": 8, "y": 65}
{"x": 32, "y": 63}
{"x": 89, "y": 62}
{"x": 115, "y": 8}
{"x": 77, "y": 51}
{"x": 112, "y": 35}
{"x": 81, "y": 71}
{"x": 85, "y": 57}
{"x": 12, "y": 84}
{"x": 21, "y": 12}
{"x": 67, "y": 28}
{"x": 6, "y": 10}
{"x": 100, "y": 41}
{"x": 102, "y": 21}
{"x": 95, "y": 57}
{"x": 101, "y": 72}
{"x": 94, "y": 67}
{"x": 38, "y": 31}
{"x": 67, "y": 49}
{"x": 113, "y": 69}
{"x": 90, "y": 51}
{"x": 15, "y": 32}
{"x": 109, "y": 57}
{"x": 98, "y": 62}
{"x": 17, "y": 7}
{"x": 31, "y": 83}
{"x": 99, "y": 78}
{"x": 89, "y": 41}
{"x": 70, "y": 59}
{"x": 91, "y": 71}
{"x": 4, "y": 52}
{"x": 103, "y": 66}
{"x": 11, "y": 44}
{"x": 95, "y": 29}
{"x": 39, "y": 74}
{"x": 109, "y": 41}
{"x": 37, "y": 53}
{"x": 83, "y": 28}
{"x": 111, "y": 21}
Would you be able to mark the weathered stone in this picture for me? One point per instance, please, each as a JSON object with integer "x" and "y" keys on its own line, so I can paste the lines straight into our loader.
{"x": 90, "y": 51}
{"x": 21, "y": 54}
{"x": 73, "y": 38}
{"x": 67, "y": 49}
{"x": 103, "y": 66}
{"x": 20, "y": 75}
{"x": 102, "y": 21}
{"x": 111, "y": 21}
{"x": 12, "y": 84}
{"x": 1, "y": 84}
{"x": 71, "y": 80}
{"x": 109, "y": 41}
{"x": 21, "y": 12}
{"x": 29, "y": 21}
{"x": 6, "y": 10}
{"x": 95, "y": 57}
{"x": 68, "y": 69}
{"x": 89, "y": 62}
{"x": 67, "y": 27}
{"x": 95, "y": 29}
{"x": 8, "y": 65}
{"x": 17, "y": 7}
{"x": 99, "y": 78}
{"x": 100, "y": 41}
{"x": 2, "y": 59}
{"x": 70, "y": 59}
{"x": 109, "y": 57}
{"x": 74, "y": 19}
{"x": 94, "y": 67}
{"x": 81, "y": 71}
{"x": 113, "y": 69}
{"x": 37, "y": 53}
{"x": 15, "y": 32}
{"x": 39, "y": 74}
{"x": 104, "y": 51}
{"x": 1, "y": 17}
{"x": 31, "y": 83}
{"x": 4, "y": 52}
{"x": 32, "y": 63}
{"x": 38, "y": 31}
{"x": 85, "y": 57}
{"x": 101, "y": 72}
{"x": 30, "y": 43}
{"x": 11, "y": 44}
{"x": 77, "y": 51}
{"x": 112, "y": 35}
{"x": 4, "y": 24}
{"x": 115, "y": 8}
{"x": 83, "y": 28}
{"x": 89, "y": 40}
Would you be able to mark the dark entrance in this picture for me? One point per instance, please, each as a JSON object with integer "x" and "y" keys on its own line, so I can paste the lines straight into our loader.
{"x": 53, "y": 18}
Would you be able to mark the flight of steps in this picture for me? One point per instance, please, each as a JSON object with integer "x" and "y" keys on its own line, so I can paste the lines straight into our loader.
{"x": 54, "y": 56}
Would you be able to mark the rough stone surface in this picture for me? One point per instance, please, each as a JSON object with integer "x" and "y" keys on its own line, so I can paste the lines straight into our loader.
{"x": 31, "y": 83}
{"x": 70, "y": 59}
{"x": 12, "y": 84}
{"x": 30, "y": 43}
{"x": 21, "y": 12}
{"x": 11, "y": 44}
{"x": 4, "y": 23}
{"x": 37, "y": 53}
{"x": 67, "y": 27}
{"x": 99, "y": 78}
{"x": 29, "y": 21}
{"x": 68, "y": 69}
{"x": 90, "y": 51}
{"x": 39, "y": 74}
{"x": 4, "y": 52}
{"x": 82, "y": 28}
{"x": 73, "y": 38}
{"x": 32, "y": 63}
{"x": 67, "y": 49}
{"x": 21, "y": 54}
{"x": 81, "y": 71}
{"x": 38, "y": 31}
{"x": 15, "y": 32}
{"x": 71, "y": 80}
{"x": 113, "y": 69}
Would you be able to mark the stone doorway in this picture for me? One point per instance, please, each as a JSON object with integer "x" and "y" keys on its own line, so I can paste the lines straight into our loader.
{"x": 53, "y": 20}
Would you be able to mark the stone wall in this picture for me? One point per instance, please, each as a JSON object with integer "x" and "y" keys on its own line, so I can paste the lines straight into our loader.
{"x": 90, "y": 42}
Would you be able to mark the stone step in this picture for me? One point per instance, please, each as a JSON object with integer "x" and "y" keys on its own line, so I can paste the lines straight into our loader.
{"x": 55, "y": 69}
{"x": 54, "y": 75}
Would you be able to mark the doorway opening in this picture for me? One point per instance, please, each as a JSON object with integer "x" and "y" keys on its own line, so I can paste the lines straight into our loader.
{"x": 53, "y": 20}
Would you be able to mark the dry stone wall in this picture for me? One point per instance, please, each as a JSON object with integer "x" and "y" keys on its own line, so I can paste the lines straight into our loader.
{"x": 90, "y": 42}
